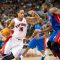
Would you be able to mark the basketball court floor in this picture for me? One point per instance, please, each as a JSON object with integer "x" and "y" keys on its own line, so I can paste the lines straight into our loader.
{"x": 37, "y": 57}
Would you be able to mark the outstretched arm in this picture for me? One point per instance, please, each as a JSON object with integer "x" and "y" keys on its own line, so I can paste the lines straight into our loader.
{"x": 47, "y": 29}
{"x": 30, "y": 20}
{"x": 46, "y": 33}
{"x": 35, "y": 17}
{"x": 11, "y": 24}
{"x": 33, "y": 13}
{"x": 54, "y": 10}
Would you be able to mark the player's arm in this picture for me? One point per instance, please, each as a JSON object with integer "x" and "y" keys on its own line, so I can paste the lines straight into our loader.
{"x": 33, "y": 13}
{"x": 34, "y": 33}
{"x": 26, "y": 50}
{"x": 35, "y": 17}
{"x": 45, "y": 33}
{"x": 48, "y": 29}
{"x": 30, "y": 20}
{"x": 54, "y": 10}
{"x": 11, "y": 24}
{"x": 41, "y": 37}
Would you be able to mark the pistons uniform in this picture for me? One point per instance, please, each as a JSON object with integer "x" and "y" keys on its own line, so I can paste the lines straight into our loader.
{"x": 15, "y": 43}
{"x": 35, "y": 42}
{"x": 55, "y": 26}
{"x": 55, "y": 36}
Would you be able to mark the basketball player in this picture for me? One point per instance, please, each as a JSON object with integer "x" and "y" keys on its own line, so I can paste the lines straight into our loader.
{"x": 54, "y": 24}
{"x": 55, "y": 16}
{"x": 38, "y": 40}
{"x": 15, "y": 44}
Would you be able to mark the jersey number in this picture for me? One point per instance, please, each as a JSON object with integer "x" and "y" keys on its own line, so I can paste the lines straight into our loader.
{"x": 21, "y": 29}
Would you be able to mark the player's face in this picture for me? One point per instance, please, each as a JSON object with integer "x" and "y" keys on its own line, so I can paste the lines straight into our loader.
{"x": 45, "y": 8}
{"x": 21, "y": 14}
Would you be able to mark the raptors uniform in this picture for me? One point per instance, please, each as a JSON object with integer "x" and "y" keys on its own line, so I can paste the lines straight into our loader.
{"x": 15, "y": 44}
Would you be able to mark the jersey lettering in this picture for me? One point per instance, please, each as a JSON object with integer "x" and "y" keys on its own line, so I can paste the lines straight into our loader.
{"x": 22, "y": 24}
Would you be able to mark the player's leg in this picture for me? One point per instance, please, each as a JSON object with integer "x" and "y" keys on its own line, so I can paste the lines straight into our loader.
{"x": 41, "y": 47}
{"x": 53, "y": 44}
{"x": 26, "y": 50}
{"x": 8, "y": 57}
{"x": 21, "y": 54}
{"x": 17, "y": 50}
{"x": 43, "y": 55}
{"x": 59, "y": 51}
{"x": 32, "y": 44}
{"x": 7, "y": 47}
{"x": 7, "y": 51}
{"x": 56, "y": 50}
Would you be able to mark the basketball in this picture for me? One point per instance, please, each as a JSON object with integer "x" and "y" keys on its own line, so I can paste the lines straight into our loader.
{"x": 5, "y": 32}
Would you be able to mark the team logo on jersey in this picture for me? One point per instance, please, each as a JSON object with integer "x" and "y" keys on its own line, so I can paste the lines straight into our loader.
{"x": 22, "y": 24}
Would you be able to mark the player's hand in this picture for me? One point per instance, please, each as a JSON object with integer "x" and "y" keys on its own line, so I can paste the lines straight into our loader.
{"x": 38, "y": 32}
{"x": 31, "y": 12}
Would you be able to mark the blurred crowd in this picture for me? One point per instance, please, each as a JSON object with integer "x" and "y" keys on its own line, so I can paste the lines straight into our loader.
{"x": 9, "y": 10}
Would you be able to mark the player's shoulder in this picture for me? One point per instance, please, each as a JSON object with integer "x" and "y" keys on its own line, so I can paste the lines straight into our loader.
{"x": 24, "y": 19}
{"x": 14, "y": 18}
